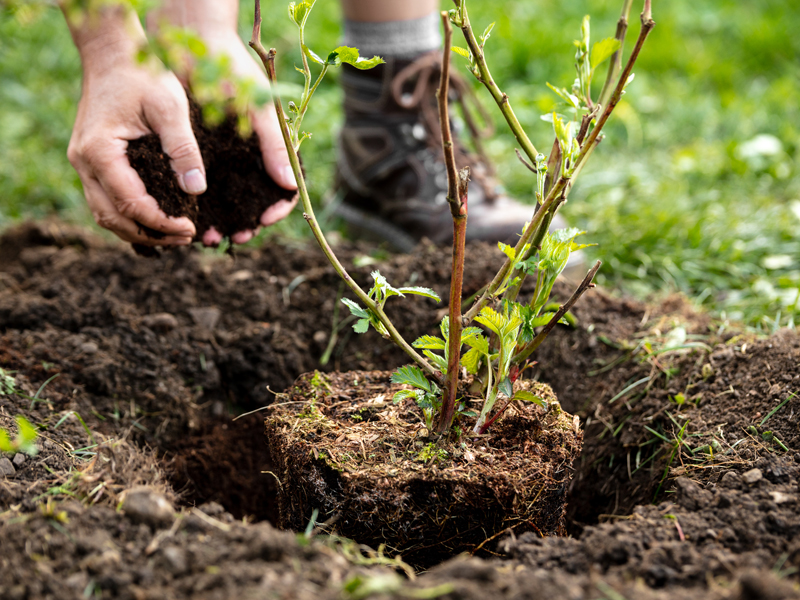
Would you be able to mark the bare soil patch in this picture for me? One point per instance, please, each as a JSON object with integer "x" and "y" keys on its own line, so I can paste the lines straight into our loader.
{"x": 157, "y": 356}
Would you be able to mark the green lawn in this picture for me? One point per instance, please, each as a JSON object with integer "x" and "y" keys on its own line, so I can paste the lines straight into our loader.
{"x": 695, "y": 188}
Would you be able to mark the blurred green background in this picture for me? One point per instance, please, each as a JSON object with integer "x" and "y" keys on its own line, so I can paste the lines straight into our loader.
{"x": 695, "y": 189}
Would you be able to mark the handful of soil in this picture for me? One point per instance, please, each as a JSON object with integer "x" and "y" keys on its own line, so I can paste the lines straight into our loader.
{"x": 239, "y": 188}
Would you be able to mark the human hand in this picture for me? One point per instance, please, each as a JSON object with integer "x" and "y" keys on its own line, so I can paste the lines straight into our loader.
{"x": 264, "y": 122}
{"x": 122, "y": 100}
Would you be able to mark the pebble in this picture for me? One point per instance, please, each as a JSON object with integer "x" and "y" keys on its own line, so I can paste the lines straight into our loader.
{"x": 88, "y": 348}
{"x": 6, "y": 468}
{"x": 782, "y": 498}
{"x": 164, "y": 321}
{"x": 19, "y": 458}
{"x": 752, "y": 476}
{"x": 206, "y": 317}
{"x": 730, "y": 480}
{"x": 175, "y": 559}
{"x": 143, "y": 505}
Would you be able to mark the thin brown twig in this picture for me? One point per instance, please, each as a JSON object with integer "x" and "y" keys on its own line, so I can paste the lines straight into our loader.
{"x": 585, "y": 285}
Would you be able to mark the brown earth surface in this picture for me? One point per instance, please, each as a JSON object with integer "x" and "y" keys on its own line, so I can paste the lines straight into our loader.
{"x": 684, "y": 488}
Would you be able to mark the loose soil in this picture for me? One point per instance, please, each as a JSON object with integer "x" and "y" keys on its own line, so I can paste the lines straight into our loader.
{"x": 156, "y": 356}
{"x": 239, "y": 188}
{"x": 342, "y": 447}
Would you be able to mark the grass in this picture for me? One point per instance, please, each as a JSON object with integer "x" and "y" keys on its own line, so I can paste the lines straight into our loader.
{"x": 695, "y": 189}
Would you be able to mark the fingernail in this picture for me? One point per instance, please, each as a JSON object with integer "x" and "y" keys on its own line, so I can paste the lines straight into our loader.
{"x": 194, "y": 182}
{"x": 287, "y": 178}
{"x": 183, "y": 241}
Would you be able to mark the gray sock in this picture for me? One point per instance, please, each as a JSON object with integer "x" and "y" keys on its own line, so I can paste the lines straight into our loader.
{"x": 401, "y": 39}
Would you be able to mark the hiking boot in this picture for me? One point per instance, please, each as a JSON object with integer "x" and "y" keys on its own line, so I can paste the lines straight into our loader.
{"x": 391, "y": 177}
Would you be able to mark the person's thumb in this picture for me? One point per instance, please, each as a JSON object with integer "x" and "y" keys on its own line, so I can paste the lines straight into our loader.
{"x": 174, "y": 127}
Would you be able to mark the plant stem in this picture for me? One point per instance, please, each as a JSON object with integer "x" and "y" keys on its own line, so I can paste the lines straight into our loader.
{"x": 457, "y": 198}
{"x": 563, "y": 183}
{"x": 586, "y": 284}
{"x": 268, "y": 58}
{"x": 486, "y": 79}
{"x": 616, "y": 60}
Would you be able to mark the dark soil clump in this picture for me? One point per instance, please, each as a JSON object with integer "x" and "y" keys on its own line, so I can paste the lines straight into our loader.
{"x": 372, "y": 469}
{"x": 239, "y": 188}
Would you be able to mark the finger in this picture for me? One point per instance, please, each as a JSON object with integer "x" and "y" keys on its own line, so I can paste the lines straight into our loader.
{"x": 276, "y": 159}
{"x": 108, "y": 164}
{"x": 242, "y": 237}
{"x": 212, "y": 237}
{"x": 276, "y": 212}
{"x": 169, "y": 118}
{"x": 107, "y": 216}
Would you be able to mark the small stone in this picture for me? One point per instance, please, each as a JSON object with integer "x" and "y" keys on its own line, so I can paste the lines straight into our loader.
{"x": 19, "y": 458}
{"x": 143, "y": 505}
{"x": 242, "y": 275}
{"x": 206, "y": 317}
{"x": 730, "y": 480}
{"x": 162, "y": 321}
{"x": 752, "y": 476}
{"x": 175, "y": 559}
{"x": 88, "y": 348}
{"x": 6, "y": 468}
{"x": 782, "y": 498}
{"x": 320, "y": 337}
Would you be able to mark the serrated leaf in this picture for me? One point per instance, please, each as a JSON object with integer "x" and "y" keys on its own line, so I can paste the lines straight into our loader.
{"x": 509, "y": 251}
{"x": 440, "y": 362}
{"x": 313, "y": 55}
{"x": 421, "y": 291}
{"x": 429, "y": 342}
{"x": 350, "y": 56}
{"x": 470, "y": 332}
{"x": 444, "y": 327}
{"x": 403, "y": 394}
{"x": 479, "y": 343}
{"x": 492, "y": 320}
{"x": 506, "y": 387}
{"x": 530, "y": 397}
{"x": 333, "y": 60}
{"x": 462, "y": 52}
{"x": 567, "y": 234}
{"x": 412, "y": 375}
{"x": 471, "y": 360}
{"x": 361, "y": 326}
{"x": 355, "y": 309}
{"x": 602, "y": 50}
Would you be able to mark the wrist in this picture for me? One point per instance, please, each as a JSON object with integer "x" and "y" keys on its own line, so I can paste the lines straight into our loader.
{"x": 106, "y": 39}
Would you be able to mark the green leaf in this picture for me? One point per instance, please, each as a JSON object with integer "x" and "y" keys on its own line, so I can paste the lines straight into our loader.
{"x": 361, "y": 326}
{"x": 355, "y": 309}
{"x": 509, "y": 251}
{"x": 403, "y": 394}
{"x": 492, "y": 320}
{"x": 350, "y": 56}
{"x": 421, "y": 291}
{"x": 506, "y": 387}
{"x": 570, "y": 99}
{"x": 429, "y": 342}
{"x": 313, "y": 55}
{"x": 462, "y": 52}
{"x": 27, "y": 432}
{"x": 487, "y": 32}
{"x": 440, "y": 362}
{"x": 299, "y": 12}
{"x": 602, "y": 50}
{"x": 471, "y": 360}
{"x": 5, "y": 442}
{"x": 530, "y": 397}
{"x": 470, "y": 332}
{"x": 478, "y": 342}
{"x": 412, "y": 375}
